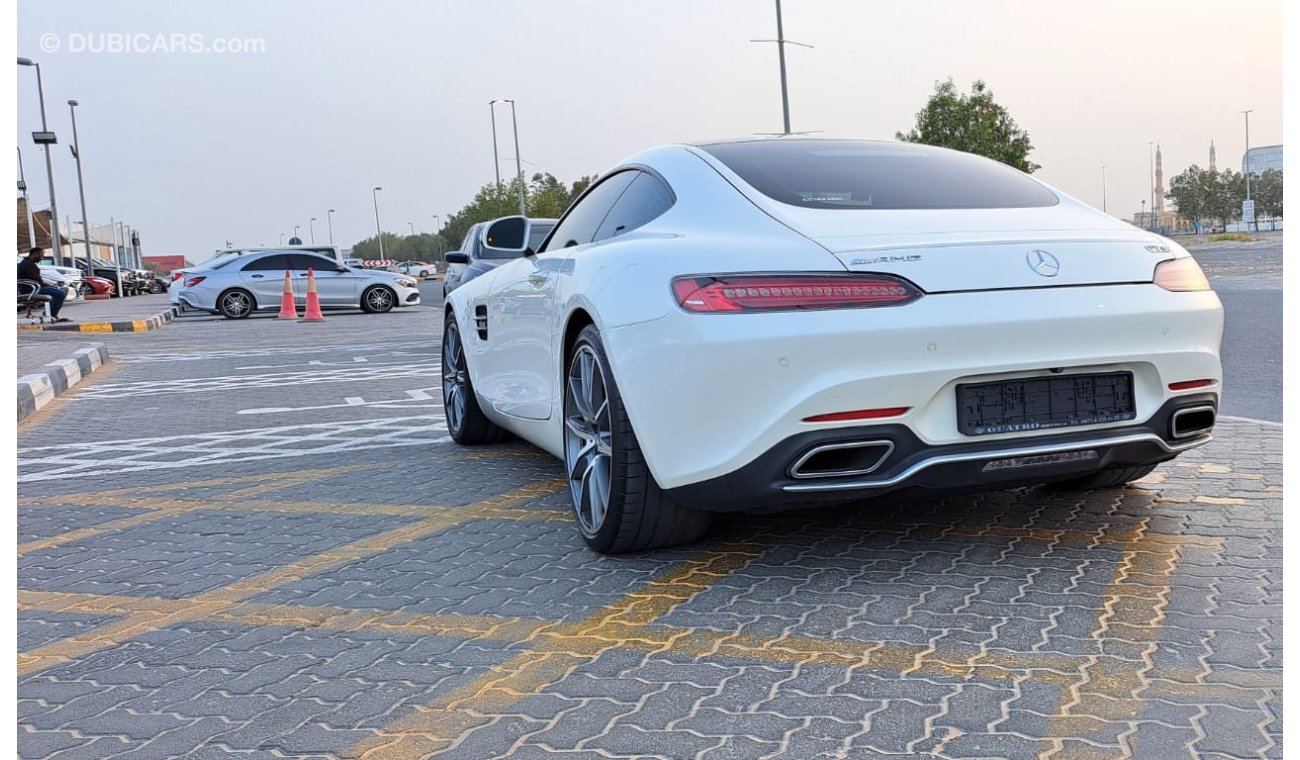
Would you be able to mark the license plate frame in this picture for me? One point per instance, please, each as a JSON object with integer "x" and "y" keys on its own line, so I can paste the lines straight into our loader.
{"x": 1044, "y": 402}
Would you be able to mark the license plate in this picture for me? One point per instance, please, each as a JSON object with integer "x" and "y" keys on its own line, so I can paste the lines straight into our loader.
{"x": 1040, "y": 403}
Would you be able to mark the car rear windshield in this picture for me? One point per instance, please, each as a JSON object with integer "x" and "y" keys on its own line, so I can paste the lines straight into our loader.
{"x": 852, "y": 174}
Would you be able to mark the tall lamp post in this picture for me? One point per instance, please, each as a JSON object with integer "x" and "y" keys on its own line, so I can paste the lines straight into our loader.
{"x": 496, "y": 160}
{"x": 81, "y": 182}
{"x": 27, "y": 204}
{"x": 519, "y": 167}
{"x": 412, "y": 226}
{"x": 329, "y": 219}
{"x": 311, "y": 227}
{"x": 49, "y": 163}
{"x": 1103, "y": 188}
{"x": 379, "y": 232}
{"x": 1245, "y": 159}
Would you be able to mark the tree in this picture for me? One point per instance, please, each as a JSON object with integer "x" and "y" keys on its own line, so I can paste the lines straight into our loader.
{"x": 1266, "y": 189}
{"x": 974, "y": 123}
{"x": 1191, "y": 191}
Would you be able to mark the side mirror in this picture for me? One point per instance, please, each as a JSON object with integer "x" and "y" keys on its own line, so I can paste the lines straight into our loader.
{"x": 508, "y": 235}
{"x": 456, "y": 257}
{"x": 340, "y": 268}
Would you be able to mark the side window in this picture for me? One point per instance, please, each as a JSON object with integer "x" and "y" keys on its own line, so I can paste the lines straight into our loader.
{"x": 467, "y": 244}
{"x": 580, "y": 223}
{"x": 300, "y": 262}
{"x": 268, "y": 263}
{"x": 646, "y": 198}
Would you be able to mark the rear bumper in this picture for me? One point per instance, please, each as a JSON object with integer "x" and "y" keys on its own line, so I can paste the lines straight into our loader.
{"x": 911, "y": 463}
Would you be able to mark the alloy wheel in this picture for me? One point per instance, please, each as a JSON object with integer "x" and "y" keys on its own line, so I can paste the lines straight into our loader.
{"x": 588, "y": 438}
{"x": 379, "y": 299}
{"x": 235, "y": 304}
{"x": 454, "y": 377}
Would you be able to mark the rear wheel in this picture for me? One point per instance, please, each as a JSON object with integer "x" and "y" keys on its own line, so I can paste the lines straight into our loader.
{"x": 156, "y": 287}
{"x": 465, "y": 419}
{"x": 1109, "y": 478}
{"x": 616, "y": 502}
{"x": 235, "y": 304}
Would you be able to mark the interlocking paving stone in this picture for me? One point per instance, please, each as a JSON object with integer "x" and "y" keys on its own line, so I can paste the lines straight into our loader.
{"x": 1142, "y": 621}
{"x": 190, "y": 553}
{"x": 38, "y": 627}
{"x": 526, "y": 569}
{"x": 46, "y": 521}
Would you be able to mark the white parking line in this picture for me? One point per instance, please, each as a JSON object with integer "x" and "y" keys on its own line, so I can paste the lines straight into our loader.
{"x": 369, "y": 373}
{"x": 39, "y": 463}
{"x": 352, "y": 401}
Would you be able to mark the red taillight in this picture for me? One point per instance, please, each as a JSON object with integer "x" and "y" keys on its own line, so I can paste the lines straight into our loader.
{"x": 861, "y": 414}
{"x": 783, "y": 292}
{"x": 191, "y": 282}
{"x": 1180, "y": 275}
{"x": 1187, "y": 385}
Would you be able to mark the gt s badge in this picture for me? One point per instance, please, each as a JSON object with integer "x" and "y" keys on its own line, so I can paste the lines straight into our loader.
{"x": 1158, "y": 248}
{"x": 887, "y": 259}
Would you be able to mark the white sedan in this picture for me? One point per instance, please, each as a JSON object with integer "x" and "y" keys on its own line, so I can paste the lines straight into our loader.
{"x": 760, "y": 323}
{"x": 237, "y": 286}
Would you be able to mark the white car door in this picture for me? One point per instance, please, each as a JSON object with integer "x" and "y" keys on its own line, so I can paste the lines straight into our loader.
{"x": 333, "y": 288}
{"x": 264, "y": 277}
{"x": 520, "y": 370}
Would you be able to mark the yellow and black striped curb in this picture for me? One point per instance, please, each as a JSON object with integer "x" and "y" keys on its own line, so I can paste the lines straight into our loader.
{"x": 134, "y": 325}
{"x": 42, "y": 386}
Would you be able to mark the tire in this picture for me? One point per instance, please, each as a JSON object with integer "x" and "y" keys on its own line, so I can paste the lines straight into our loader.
{"x": 236, "y": 303}
{"x": 378, "y": 299}
{"x": 156, "y": 287}
{"x": 1109, "y": 478}
{"x": 466, "y": 422}
{"x": 424, "y": 273}
{"x": 603, "y": 463}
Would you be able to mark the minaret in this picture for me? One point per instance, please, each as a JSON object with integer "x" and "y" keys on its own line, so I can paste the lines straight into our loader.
{"x": 1160, "y": 182}
{"x": 1213, "y": 168}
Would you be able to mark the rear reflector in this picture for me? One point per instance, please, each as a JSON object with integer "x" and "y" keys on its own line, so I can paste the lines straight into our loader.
{"x": 861, "y": 414}
{"x": 1181, "y": 275}
{"x": 786, "y": 292}
{"x": 1189, "y": 384}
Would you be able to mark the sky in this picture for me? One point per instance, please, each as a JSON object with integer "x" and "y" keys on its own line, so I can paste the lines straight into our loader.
{"x": 331, "y": 98}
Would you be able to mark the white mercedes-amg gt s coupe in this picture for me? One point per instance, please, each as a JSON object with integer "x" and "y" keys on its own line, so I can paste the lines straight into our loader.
{"x": 768, "y": 323}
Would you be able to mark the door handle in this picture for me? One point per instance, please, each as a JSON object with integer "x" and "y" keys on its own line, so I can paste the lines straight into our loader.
{"x": 538, "y": 278}
{"x": 257, "y": 276}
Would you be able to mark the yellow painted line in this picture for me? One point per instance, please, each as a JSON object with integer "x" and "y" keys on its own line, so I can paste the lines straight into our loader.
{"x": 555, "y": 653}
{"x": 209, "y": 603}
{"x": 1107, "y": 689}
{"x": 172, "y": 508}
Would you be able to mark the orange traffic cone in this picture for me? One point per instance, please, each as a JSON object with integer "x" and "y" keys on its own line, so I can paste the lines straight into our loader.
{"x": 312, "y": 312}
{"x": 288, "y": 309}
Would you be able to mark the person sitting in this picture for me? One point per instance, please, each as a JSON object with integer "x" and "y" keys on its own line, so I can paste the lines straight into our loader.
{"x": 30, "y": 269}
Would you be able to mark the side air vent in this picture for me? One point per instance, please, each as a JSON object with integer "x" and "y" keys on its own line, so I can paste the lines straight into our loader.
{"x": 834, "y": 460}
{"x": 480, "y": 321}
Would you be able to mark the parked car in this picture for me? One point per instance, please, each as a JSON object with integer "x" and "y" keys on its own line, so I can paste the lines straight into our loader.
{"x": 99, "y": 286}
{"x": 417, "y": 268}
{"x": 768, "y": 323}
{"x": 236, "y": 286}
{"x": 328, "y": 251}
{"x": 476, "y": 257}
{"x": 131, "y": 282}
{"x": 68, "y": 278}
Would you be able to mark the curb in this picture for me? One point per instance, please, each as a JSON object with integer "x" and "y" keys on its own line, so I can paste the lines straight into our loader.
{"x": 136, "y": 325}
{"x": 41, "y": 387}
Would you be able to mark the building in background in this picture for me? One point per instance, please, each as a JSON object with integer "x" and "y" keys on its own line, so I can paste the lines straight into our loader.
{"x": 165, "y": 265}
{"x": 1213, "y": 164}
{"x": 1264, "y": 157}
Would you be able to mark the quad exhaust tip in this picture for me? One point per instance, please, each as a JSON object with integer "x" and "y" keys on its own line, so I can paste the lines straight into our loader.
{"x": 836, "y": 460}
{"x": 1192, "y": 421}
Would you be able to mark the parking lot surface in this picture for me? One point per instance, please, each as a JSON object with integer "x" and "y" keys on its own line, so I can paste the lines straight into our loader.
{"x": 256, "y": 538}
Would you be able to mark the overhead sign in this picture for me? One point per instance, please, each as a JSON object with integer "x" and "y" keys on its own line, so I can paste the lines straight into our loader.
{"x": 1248, "y": 211}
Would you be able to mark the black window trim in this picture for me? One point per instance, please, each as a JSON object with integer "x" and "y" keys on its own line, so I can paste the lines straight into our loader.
{"x": 672, "y": 194}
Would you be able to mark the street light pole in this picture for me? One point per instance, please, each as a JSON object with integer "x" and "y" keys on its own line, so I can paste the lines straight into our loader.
{"x": 49, "y": 165}
{"x": 27, "y": 204}
{"x": 297, "y": 227}
{"x": 379, "y": 233}
{"x": 117, "y": 256}
{"x": 311, "y": 227}
{"x": 81, "y": 182}
{"x": 412, "y": 226}
{"x": 1103, "y": 188}
{"x": 1152, "y": 179}
{"x": 496, "y": 160}
{"x": 1245, "y": 159}
{"x": 329, "y": 219}
{"x": 780, "y": 52}
{"x": 519, "y": 167}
